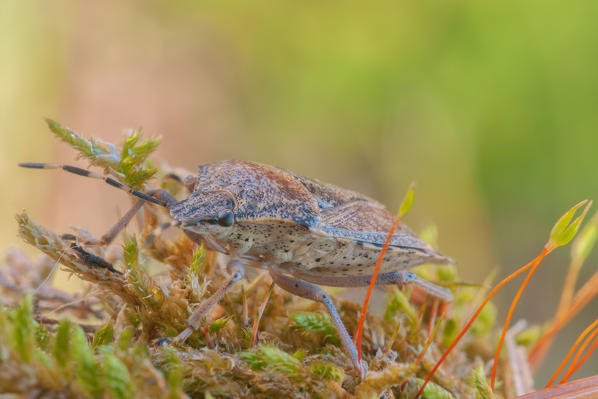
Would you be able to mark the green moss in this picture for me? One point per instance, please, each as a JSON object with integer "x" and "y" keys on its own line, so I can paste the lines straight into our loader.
{"x": 319, "y": 323}
{"x": 328, "y": 371}
{"x": 127, "y": 165}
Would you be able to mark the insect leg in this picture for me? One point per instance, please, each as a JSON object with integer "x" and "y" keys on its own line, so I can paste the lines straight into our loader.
{"x": 235, "y": 267}
{"x": 87, "y": 173}
{"x": 162, "y": 195}
{"x": 400, "y": 277}
{"x": 309, "y": 291}
{"x": 109, "y": 236}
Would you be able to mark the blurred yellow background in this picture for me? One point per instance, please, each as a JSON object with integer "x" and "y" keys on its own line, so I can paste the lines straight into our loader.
{"x": 491, "y": 107}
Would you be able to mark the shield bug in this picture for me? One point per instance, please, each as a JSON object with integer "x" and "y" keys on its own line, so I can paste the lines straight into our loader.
{"x": 304, "y": 232}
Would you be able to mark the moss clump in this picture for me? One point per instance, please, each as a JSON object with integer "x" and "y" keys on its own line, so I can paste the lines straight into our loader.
{"x": 60, "y": 363}
{"x": 103, "y": 345}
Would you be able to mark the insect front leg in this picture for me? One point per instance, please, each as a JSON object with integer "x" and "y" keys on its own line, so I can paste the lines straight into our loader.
{"x": 237, "y": 271}
{"x": 111, "y": 234}
{"x": 309, "y": 291}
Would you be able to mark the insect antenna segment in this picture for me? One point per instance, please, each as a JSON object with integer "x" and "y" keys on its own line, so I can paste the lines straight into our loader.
{"x": 86, "y": 173}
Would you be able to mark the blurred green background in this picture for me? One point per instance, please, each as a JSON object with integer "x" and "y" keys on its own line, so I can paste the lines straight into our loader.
{"x": 491, "y": 107}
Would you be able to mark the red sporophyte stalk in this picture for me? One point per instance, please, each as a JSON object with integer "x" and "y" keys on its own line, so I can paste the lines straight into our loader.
{"x": 562, "y": 232}
{"x": 470, "y": 322}
{"x": 575, "y": 345}
{"x": 403, "y": 209}
{"x": 583, "y": 360}
{"x": 534, "y": 264}
{"x": 574, "y": 365}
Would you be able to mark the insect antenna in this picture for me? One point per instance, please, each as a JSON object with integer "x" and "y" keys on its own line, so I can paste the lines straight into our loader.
{"x": 83, "y": 172}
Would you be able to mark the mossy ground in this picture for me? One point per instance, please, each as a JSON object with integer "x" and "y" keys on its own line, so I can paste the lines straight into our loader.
{"x": 102, "y": 343}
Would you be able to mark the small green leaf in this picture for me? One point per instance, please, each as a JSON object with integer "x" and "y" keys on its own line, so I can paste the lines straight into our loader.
{"x": 88, "y": 371}
{"x": 407, "y": 201}
{"x": 62, "y": 344}
{"x": 24, "y": 330}
{"x": 103, "y": 336}
{"x": 117, "y": 377}
{"x": 218, "y": 324}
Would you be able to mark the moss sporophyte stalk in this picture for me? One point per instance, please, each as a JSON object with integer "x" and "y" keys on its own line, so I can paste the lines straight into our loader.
{"x": 120, "y": 337}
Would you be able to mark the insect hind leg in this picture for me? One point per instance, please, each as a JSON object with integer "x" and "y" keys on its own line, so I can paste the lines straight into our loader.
{"x": 400, "y": 277}
{"x": 309, "y": 291}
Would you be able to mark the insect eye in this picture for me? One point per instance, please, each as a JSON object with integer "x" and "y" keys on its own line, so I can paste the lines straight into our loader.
{"x": 226, "y": 219}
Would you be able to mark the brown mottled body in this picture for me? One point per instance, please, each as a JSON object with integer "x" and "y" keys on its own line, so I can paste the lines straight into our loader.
{"x": 296, "y": 223}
